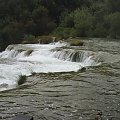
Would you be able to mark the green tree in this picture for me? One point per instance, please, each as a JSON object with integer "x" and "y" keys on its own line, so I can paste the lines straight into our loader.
{"x": 113, "y": 23}
{"x": 67, "y": 19}
{"x": 84, "y": 22}
{"x": 51, "y": 26}
{"x": 40, "y": 17}
{"x": 112, "y": 6}
{"x": 100, "y": 30}
{"x": 12, "y": 33}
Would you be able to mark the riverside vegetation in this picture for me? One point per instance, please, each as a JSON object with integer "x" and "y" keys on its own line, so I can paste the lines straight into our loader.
{"x": 28, "y": 19}
{"x": 22, "y": 79}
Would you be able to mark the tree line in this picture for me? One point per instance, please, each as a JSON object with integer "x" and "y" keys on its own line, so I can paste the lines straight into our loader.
{"x": 72, "y": 18}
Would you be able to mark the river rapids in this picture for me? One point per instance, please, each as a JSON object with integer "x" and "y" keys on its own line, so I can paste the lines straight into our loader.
{"x": 63, "y": 82}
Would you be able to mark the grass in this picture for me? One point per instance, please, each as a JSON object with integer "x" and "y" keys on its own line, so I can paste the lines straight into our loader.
{"x": 22, "y": 79}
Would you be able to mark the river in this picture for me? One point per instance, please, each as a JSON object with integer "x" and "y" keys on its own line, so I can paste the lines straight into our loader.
{"x": 61, "y": 89}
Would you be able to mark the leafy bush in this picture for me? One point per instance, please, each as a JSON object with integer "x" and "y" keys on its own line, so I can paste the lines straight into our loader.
{"x": 51, "y": 26}
{"x": 100, "y": 30}
{"x": 67, "y": 19}
{"x": 83, "y": 22}
{"x": 12, "y": 33}
{"x": 113, "y": 22}
{"x": 29, "y": 38}
{"x": 73, "y": 32}
{"x": 44, "y": 39}
{"x": 22, "y": 79}
{"x": 61, "y": 31}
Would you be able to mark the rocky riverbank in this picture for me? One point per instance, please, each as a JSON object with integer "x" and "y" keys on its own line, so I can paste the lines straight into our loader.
{"x": 87, "y": 95}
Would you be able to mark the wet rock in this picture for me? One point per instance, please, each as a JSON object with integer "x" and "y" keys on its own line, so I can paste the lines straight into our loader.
{"x": 4, "y": 85}
{"x": 98, "y": 116}
{"x": 83, "y": 69}
{"x": 110, "y": 92}
{"x": 23, "y": 117}
{"x": 100, "y": 113}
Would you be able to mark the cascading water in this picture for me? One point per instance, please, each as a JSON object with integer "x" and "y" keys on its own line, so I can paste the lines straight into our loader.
{"x": 25, "y": 59}
{"x": 87, "y": 58}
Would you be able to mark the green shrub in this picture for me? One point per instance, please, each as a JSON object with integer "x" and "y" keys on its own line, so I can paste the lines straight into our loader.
{"x": 58, "y": 31}
{"x": 51, "y": 26}
{"x": 73, "y": 32}
{"x": 113, "y": 22}
{"x": 22, "y": 79}
{"x": 29, "y": 38}
{"x": 12, "y": 33}
{"x": 84, "y": 21}
{"x": 67, "y": 20}
{"x": 100, "y": 30}
{"x": 44, "y": 39}
{"x": 62, "y": 32}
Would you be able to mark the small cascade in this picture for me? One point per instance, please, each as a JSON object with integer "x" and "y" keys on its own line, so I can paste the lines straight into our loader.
{"x": 25, "y": 59}
{"x": 87, "y": 58}
{"x": 12, "y": 52}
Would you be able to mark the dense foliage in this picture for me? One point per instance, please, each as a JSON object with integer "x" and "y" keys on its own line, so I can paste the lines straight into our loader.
{"x": 76, "y": 18}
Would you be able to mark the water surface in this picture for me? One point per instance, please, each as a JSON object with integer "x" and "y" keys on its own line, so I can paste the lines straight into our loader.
{"x": 91, "y": 94}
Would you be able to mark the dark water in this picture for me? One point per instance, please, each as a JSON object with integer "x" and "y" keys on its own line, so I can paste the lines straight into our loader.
{"x": 91, "y": 94}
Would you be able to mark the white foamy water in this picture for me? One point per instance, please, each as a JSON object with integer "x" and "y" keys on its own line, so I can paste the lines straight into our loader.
{"x": 25, "y": 59}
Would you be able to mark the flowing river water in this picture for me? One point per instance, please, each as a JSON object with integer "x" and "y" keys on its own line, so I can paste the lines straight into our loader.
{"x": 61, "y": 89}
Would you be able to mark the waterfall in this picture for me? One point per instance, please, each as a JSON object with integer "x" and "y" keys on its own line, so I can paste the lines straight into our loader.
{"x": 24, "y": 59}
{"x": 87, "y": 58}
